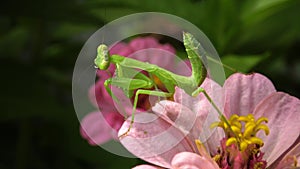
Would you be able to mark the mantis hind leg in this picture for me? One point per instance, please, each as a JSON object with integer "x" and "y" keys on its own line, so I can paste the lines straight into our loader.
{"x": 222, "y": 117}
{"x": 138, "y": 92}
{"x": 201, "y": 90}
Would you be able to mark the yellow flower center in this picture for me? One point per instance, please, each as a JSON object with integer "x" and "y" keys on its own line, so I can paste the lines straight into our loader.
{"x": 258, "y": 165}
{"x": 242, "y": 130}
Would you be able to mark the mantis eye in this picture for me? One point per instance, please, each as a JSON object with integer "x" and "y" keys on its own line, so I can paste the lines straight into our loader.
{"x": 102, "y": 60}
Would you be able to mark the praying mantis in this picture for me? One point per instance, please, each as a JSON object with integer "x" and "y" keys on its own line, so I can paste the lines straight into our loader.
{"x": 142, "y": 83}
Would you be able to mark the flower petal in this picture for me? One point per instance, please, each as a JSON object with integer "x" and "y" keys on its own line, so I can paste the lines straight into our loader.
{"x": 181, "y": 67}
{"x": 146, "y": 167}
{"x": 189, "y": 160}
{"x": 180, "y": 117}
{"x": 153, "y": 139}
{"x": 100, "y": 98}
{"x": 143, "y": 43}
{"x": 120, "y": 49}
{"x": 244, "y": 92}
{"x": 290, "y": 157}
{"x": 204, "y": 109}
{"x": 156, "y": 56}
{"x": 201, "y": 104}
{"x": 283, "y": 112}
{"x": 148, "y": 49}
{"x": 168, "y": 47}
{"x": 95, "y": 129}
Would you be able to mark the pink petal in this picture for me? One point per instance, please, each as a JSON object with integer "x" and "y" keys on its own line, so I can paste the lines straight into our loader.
{"x": 288, "y": 159}
{"x": 244, "y": 92}
{"x": 181, "y": 67}
{"x": 147, "y": 49}
{"x": 203, "y": 108}
{"x": 115, "y": 120}
{"x": 283, "y": 112}
{"x": 102, "y": 75}
{"x": 168, "y": 47}
{"x": 180, "y": 117}
{"x": 100, "y": 98}
{"x": 200, "y": 104}
{"x": 143, "y": 43}
{"x": 187, "y": 160}
{"x": 172, "y": 63}
{"x": 120, "y": 49}
{"x": 146, "y": 167}
{"x": 153, "y": 139}
{"x": 117, "y": 47}
{"x": 123, "y": 105}
{"x": 151, "y": 42}
{"x": 159, "y": 57}
{"x": 95, "y": 129}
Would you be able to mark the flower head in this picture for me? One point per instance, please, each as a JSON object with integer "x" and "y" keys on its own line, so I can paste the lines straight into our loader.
{"x": 261, "y": 131}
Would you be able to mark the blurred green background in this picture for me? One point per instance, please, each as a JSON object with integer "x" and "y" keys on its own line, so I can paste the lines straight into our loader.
{"x": 41, "y": 39}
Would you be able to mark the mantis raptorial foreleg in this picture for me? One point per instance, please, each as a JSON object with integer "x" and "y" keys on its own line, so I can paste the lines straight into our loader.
{"x": 131, "y": 85}
{"x": 128, "y": 85}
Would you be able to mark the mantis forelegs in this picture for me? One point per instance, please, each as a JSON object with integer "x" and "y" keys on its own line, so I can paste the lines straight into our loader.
{"x": 128, "y": 85}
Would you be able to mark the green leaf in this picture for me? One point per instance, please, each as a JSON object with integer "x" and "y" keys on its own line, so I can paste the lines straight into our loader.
{"x": 241, "y": 63}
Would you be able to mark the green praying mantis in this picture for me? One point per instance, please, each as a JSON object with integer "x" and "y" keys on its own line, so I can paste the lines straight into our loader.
{"x": 142, "y": 83}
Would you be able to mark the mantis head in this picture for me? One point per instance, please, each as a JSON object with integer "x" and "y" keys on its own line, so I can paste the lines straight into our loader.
{"x": 102, "y": 60}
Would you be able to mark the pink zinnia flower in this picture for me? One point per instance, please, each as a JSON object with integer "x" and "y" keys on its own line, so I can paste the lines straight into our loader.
{"x": 99, "y": 127}
{"x": 264, "y": 132}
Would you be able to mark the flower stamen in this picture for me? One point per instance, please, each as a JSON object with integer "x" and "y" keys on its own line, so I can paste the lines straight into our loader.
{"x": 242, "y": 130}
{"x": 295, "y": 161}
{"x": 201, "y": 148}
